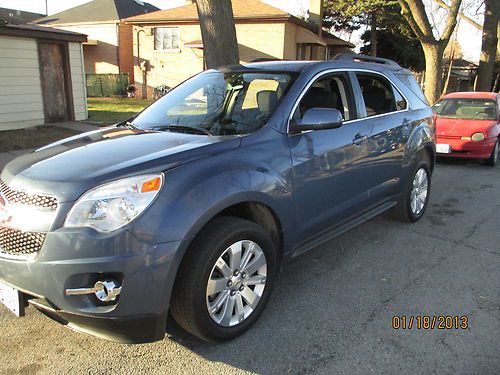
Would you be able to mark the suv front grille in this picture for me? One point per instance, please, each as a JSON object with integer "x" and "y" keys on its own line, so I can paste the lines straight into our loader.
{"x": 20, "y": 197}
{"x": 15, "y": 242}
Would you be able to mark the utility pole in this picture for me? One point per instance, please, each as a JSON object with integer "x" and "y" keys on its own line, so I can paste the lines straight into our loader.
{"x": 46, "y": 7}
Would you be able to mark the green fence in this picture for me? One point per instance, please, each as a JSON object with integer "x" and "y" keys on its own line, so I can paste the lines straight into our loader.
{"x": 106, "y": 84}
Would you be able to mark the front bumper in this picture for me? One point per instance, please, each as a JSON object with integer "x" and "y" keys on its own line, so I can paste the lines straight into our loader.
{"x": 468, "y": 149}
{"x": 75, "y": 258}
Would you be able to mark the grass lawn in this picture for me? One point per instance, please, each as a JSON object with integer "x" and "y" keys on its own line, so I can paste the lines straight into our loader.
{"x": 112, "y": 110}
{"x": 38, "y": 136}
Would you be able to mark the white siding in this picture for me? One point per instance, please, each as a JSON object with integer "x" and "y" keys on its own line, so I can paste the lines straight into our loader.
{"x": 21, "y": 102}
{"x": 78, "y": 81}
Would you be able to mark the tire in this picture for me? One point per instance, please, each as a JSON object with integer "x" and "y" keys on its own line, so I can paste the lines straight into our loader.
{"x": 492, "y": 160}
{"x": 404, "y": 209}
{"x": 191, "y": 300}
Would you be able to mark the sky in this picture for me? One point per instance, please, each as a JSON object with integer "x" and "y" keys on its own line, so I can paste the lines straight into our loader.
{"x": 468, "y": 37}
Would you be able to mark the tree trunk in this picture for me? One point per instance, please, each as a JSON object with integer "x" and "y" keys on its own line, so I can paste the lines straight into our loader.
{"x": 486, "y": 69}
{"x": 373, "y": 35}
{"x": 433, "y": 70}
{"x": 220, "y": 46}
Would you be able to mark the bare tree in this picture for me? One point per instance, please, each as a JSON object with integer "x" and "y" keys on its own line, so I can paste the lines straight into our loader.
{"x": 486, "y": 71}
{"x": 220, "y": 46}
{"x": 443, "y": 5}
{"x": 416, "y": 16}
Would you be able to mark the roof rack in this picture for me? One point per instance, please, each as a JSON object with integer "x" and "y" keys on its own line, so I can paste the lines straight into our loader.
{"x": 364, "y": 58}
{"x": 265, "y": 59}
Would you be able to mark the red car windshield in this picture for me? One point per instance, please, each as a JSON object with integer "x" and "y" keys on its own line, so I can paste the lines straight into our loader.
{"x": 466, "y": 108}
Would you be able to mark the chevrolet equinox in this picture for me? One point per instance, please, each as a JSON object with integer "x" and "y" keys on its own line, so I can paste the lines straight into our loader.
{"x": 189, "y": 208}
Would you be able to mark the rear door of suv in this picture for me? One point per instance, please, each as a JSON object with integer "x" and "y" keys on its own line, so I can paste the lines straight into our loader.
{"x": 386, "y": 110}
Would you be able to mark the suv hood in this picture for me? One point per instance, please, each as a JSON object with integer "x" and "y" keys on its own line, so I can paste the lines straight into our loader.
{"x": 69, "y": 167}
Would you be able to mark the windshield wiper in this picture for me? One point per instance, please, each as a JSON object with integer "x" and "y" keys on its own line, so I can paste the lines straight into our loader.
{"x": 127, "y": 124}
{"x": 196, "y": 129}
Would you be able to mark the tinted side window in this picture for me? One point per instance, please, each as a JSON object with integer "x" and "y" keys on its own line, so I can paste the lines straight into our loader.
{"x": 330, "y": 91}
{"x": 377, "y": 94}
{"x": 413, "y": 85}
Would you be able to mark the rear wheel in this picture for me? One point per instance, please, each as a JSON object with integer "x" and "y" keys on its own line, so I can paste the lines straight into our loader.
{"x": 225, "y": 280}
{"x": 492, "y": 160}
{"x": 413, "y": 202}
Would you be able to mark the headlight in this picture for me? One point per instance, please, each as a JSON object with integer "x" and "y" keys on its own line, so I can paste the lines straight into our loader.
{"x": 477, "y": 137}
{"x": 115, "y": 204}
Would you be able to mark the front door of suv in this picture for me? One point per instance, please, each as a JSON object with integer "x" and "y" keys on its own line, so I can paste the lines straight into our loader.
{"x": 386, "y": 111}
{"x": 330, "y": 167}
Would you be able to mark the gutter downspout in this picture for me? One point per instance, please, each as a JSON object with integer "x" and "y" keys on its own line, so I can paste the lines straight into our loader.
{"x": 143, "y": 69}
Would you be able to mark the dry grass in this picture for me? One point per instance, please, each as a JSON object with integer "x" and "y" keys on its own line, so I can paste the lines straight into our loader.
{"x": 23, "y": 139}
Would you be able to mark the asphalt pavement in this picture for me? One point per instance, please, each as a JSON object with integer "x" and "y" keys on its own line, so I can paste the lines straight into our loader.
{"x": 332, "y": 310}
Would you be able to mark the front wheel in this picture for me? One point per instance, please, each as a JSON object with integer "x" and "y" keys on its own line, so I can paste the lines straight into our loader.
{"x": 413, "y": 202}
{"x": 492, "y": 160}
{"x": 225, "y": 279}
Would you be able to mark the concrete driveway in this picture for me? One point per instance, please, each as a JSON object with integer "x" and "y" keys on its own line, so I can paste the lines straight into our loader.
{"x": 332, "y": 309}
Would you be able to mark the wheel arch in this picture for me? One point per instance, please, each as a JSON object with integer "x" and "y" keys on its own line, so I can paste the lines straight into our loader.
{"x": 421, "y": 139}
{"x": 255, "y": 210}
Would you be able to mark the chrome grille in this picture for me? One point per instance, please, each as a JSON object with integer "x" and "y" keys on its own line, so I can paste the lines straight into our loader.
{"x": 20, "y": 243}
{"x": 21, "y": 197}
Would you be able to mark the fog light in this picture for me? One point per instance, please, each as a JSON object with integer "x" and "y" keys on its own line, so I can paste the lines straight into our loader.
{"x": 105, "y": 291}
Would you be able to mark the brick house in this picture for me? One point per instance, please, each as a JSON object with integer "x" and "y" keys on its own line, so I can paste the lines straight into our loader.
{"x": 167, "y": 45}
{"x": 109, "y": 45}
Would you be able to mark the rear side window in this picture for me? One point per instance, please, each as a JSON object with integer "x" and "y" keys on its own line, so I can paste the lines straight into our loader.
{"x": 413, "y": 85}
{"x": 400, "y": 101}
{"x": 378, "y": 94}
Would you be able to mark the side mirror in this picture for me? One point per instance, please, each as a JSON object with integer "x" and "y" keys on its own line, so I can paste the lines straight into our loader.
{"x": 319, "y": 119}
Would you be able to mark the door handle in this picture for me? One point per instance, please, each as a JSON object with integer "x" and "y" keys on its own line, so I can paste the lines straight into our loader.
{"x": 359, "y": 139}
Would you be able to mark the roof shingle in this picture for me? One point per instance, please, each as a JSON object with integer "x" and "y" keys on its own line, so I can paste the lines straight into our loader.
{"x": 242, "y": 9}
{"x": 98, "y": 11}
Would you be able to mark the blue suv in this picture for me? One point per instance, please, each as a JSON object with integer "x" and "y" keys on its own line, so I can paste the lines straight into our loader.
{"x": 191, "y": 206}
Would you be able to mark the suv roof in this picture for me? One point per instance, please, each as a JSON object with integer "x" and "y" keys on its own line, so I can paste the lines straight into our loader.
{"x": 343, "y": 60}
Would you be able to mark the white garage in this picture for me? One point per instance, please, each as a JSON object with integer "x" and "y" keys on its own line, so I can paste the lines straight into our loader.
{"x": 42, "y": 79}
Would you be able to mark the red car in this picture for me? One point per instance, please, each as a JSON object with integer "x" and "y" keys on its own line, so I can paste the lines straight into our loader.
{"x": 468, "y": 125}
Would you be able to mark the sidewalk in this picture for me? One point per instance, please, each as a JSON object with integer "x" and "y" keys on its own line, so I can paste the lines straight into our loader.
{"x": 77, "y": 126}
{"x": 6, "y": 157}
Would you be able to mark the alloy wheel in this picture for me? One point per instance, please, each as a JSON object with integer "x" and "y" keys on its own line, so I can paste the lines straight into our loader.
{"x": 236, "y": 283}
{"x": 419, "y": 191}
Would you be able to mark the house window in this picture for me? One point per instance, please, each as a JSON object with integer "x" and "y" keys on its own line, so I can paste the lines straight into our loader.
{"x": 167, "y": 38}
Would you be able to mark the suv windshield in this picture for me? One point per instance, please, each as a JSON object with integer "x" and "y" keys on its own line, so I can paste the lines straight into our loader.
{"x": 217, "y": 103}
{"x": 466, "y": 108}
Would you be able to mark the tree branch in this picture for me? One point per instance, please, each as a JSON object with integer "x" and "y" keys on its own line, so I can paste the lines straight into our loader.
{"x": 451, "y": 21}
{"x": 416, "y": 10}
{"x": 443, "y": 5}
{"x": 406, "y": 12}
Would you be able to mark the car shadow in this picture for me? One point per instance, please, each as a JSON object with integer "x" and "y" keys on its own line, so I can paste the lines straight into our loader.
{"x": 458, "y": 161}
{"x": 322, "y": 303}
